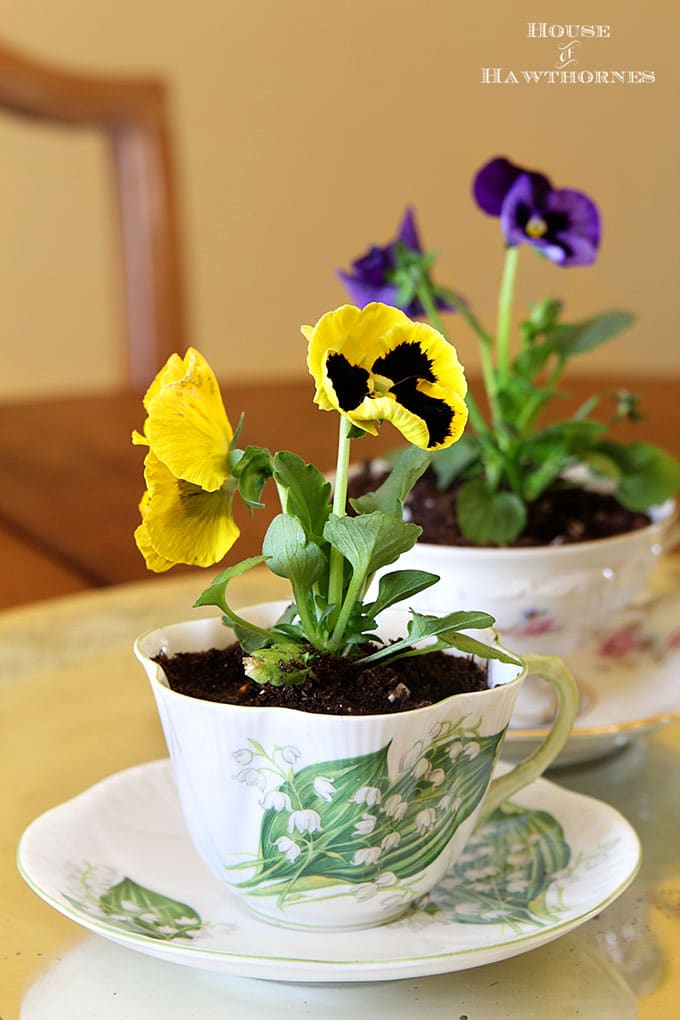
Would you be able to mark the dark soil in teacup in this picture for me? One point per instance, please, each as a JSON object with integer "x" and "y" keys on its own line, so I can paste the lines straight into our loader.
{"x": 561, "y": 515}
{"x": 340, "y": 687}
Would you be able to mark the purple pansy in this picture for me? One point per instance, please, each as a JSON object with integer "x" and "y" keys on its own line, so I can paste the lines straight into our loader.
{"x": 375, "y": 275}
{"x": 562, "y": 223}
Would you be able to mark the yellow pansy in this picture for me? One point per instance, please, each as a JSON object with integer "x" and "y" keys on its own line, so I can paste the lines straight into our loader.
{"x": 187, "y": 507}
{"x": 374, "y": 363}
{"x": 181, "y": 522}
{"x": 187, "y": 427}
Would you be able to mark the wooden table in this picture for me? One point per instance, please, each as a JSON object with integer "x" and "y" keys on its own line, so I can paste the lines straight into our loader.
{"x": 71, "y": 480}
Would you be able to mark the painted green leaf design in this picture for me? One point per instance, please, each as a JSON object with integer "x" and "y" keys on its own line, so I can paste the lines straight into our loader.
{"x": 147, "y": 912}
{"x": 506, "y": 869}
{"x": 347, "y": 822}
{"x": 467, "y": 764}
{"x": 327, "y": 852}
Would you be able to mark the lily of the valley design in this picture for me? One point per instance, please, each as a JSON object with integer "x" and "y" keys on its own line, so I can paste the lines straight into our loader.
{"x": 132, "y": 907}
{"x": 505, "y": 872}
{"x": 509, "y": 874}
{"x": 351, "y": 827}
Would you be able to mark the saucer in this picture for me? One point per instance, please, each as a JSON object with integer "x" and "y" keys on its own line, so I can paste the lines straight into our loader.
{"x": 118, "y": 860}
{"x": 629, "y": 678}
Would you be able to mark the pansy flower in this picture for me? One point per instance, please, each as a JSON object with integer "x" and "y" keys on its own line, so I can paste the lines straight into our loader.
{"x": 374, "y": 364}
{"x": 383, "y": 272}
{"x": 561, "y": 223}
{"x": 187, "y": 507}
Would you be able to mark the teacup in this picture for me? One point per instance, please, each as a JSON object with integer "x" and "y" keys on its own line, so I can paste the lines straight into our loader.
{"x": 545, "y": 599}
{"x": 329, "y": 821}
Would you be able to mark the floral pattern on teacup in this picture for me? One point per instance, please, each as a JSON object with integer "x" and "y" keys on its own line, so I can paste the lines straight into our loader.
{"x": 350, "y": 823}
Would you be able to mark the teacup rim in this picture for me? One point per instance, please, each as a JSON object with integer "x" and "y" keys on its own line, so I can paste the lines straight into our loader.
{"x": 663, "y": 517}
{"x": 156, "y": 680}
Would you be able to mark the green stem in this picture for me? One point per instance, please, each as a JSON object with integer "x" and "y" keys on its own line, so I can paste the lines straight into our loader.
{"x": 424, "y": 292}
{"x": 463, "y": 309}
{"x": 533, "y": 407}
{"x": 505, "y": 311}
{"x": 351, "y": 598}
{"x": 309, "y": 624}
{"x": 337, "y": 562}
{"x": 425, "y": 295}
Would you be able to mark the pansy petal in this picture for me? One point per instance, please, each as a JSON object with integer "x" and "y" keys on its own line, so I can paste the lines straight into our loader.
{"x": 408, "y": 232}
{"x": 172, "y": 371}
{"x": 495, "y": 179}
{"x": 183, "y": 523}
{"x": 346, "y": 385}
{"x": 426, "y": 416}
{"x": 375, "y": 364}
{"x": 373, "y": 275}
{"x": 349, "y": 331}
{"x": 153, "y": 561}
{"x": 524, "y": 202}
{"x": 492, "y": 183}
{"x": 187, "y": 427}
{"x": 581, "y": 238}
{"x": 374, "y": 265}
{"x": 158, "y": 564}
{"x": 416, "y": 350}
{"x": 362, "y": 292}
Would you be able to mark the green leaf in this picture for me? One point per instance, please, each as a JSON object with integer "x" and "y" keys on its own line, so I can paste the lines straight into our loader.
{"x": 471, "y": 646}
{"x": 543, "y": 460}
{"x": 601, "y": 466}
{"x": 389, "y": 497}
{"x": 544, "y": 314}
{"x": 489, "y": 517}
{"x": 214, "y": 594}
{"x": 288, "y": 552}
{"x": 371, "y": 541}
{"x": 281, "y": 665}
{"x": 399, "y": 585}
{"x": 252, "y": 468}
{"x": 649, "y": 476}
{"x": 584, "y": 336}
{"x": 579, "y": 433}
{"x": 530, "y": 361}
{"x": 307, "y": 493}
{"x": 422, "y": 625}
{"x": 450, "y": 462}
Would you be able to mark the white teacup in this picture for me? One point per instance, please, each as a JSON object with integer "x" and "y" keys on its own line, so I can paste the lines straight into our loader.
{"x": 323, "y": 821}
{"x": 544, "y": 598}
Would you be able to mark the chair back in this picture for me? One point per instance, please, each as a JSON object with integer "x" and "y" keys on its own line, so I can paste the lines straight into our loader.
{"x": 132, "y": 114}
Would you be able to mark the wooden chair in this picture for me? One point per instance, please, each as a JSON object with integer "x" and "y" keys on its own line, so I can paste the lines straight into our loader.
{"x": 132, "y": 113}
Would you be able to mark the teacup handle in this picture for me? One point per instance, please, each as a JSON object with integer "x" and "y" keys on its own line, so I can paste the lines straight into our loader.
{"x": 554, "y": 671}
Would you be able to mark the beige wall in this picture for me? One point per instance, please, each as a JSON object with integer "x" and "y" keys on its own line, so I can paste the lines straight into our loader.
{"x": 303, "y": 128}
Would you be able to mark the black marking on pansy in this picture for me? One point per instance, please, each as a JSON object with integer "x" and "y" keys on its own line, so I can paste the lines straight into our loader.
{"x": 436, "y": 413}
{"x": 556, "y": 223}
{"x": 407, "y": 360}
{"x": 350, "y": 382}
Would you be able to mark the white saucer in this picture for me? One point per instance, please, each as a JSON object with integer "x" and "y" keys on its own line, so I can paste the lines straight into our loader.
{"x": 117, "y": 859}
{"x": 629, "y": 676}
